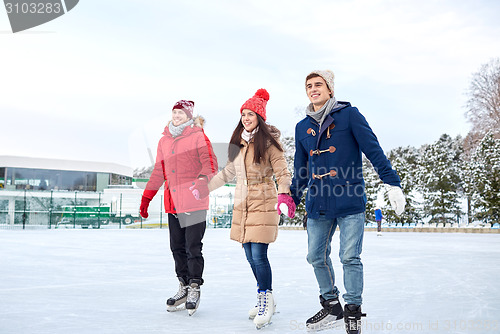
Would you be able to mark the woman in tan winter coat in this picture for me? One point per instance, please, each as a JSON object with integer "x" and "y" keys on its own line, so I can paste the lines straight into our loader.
{"x": 255, "y": 155}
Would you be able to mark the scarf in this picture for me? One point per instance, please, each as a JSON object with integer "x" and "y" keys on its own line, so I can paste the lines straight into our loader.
{"x": 320, "y": 115}
{"x": 177, "y": 130}
{"x": 247, "y": 136}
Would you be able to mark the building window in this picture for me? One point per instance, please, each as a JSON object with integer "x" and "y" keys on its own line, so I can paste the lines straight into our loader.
{"x": 2, "y": 177}
{"x": 45, "y": 179}
{"x": 117, "y": 179}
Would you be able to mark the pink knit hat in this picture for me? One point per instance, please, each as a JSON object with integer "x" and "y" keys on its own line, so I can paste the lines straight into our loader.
{"x": 186, "y": 106}
{"x": 257, "y": 103}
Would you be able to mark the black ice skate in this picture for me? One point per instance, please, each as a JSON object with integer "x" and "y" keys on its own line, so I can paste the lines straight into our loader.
{"x": 352, "y": 318}
{"x": 328, "y": 317}
{"x": 177, "y": 302}
{"x": 193, "y": 296}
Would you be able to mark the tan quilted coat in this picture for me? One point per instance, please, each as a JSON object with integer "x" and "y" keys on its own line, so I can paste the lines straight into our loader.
{"x": 255, "y": 218}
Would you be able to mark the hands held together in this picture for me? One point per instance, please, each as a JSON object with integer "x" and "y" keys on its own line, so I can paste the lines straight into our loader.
{"x": 200, "y": 188}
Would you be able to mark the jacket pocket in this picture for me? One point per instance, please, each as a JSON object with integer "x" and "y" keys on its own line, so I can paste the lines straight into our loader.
{"x": 349, "y": 196}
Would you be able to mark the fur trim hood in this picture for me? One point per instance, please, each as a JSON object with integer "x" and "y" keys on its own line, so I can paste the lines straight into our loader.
{"x": 274, "y": 131}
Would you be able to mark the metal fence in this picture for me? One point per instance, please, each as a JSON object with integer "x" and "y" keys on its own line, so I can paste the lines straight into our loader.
{"x": 114, "y": 209}
{"x": 64, "y": 209}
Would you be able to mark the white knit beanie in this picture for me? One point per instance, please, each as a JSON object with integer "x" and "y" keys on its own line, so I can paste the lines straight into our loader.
{"x": 327, "y": 75}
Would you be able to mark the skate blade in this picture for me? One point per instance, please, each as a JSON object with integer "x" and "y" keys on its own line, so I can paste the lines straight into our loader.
{"x": 177, "y": 308}
{"x": 263, "y": 325}
{"x": 251, "y": 318}
{"x": 191, "y": 311}
{"x": 328, "y": 325}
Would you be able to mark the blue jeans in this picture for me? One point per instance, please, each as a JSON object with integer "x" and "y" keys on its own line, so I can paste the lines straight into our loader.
{"x": 257, "y": 257}
{"x": 319, "y": 237}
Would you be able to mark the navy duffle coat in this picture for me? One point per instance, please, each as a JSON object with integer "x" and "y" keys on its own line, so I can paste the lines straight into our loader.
{"x": 328, "y": 163}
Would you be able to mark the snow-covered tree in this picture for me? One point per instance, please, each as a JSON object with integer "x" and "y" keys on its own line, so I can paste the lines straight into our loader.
{"x": 486, "y": 179}
{"x": 405, "y": 161}
{"x": 467, "y": 188}
{"x": 439, "y": 177}
{"x": 288, "y": 144}
{"x": 372, "y": 187}
{"x": 144, "y": 172}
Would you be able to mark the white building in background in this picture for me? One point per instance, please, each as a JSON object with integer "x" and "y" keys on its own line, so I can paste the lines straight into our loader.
{"x": 37, "y": 185}
{"x": 19, "y": 173}
{"x": 30, "y": 188}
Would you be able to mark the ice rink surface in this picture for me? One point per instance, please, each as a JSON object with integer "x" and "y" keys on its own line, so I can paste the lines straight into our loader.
{"x": 117, "y": 281}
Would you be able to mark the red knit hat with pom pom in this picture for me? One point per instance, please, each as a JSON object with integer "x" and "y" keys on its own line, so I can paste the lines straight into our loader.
{"x": 257, "y": 103}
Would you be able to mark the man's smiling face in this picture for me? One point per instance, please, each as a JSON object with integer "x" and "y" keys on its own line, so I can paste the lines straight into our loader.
{"x": 318, "y": 92}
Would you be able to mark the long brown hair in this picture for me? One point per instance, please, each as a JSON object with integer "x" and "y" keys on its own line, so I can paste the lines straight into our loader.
{"x": 261, "y": 141}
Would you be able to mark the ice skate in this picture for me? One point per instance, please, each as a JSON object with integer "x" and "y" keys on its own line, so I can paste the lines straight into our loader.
{"x": 252, "y": 313}
{"x": 266, "y": 309}
{"x": 379, "y": 234}
{"x": 177, "y": 302}
{"x": 178, "y": 308}
{"x": 329, "y": 316}
{"x": 352, "y": 318}
{"x": 193, "y": 296}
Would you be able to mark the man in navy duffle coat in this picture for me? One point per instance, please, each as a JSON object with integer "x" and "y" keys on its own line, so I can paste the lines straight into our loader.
{"x": 328, "y": 163}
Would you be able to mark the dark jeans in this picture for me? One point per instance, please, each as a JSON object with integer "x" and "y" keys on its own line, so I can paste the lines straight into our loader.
{"x": 257, "y": 257}
{"x": 186, "y": 245}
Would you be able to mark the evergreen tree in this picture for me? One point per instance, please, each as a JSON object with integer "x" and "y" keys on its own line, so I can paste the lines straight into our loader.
{"x": 288, "y": 144}
{"x": 405, "y": 160}
{"x": 372, "y": 187}
{"x": 486, "y": 179}
{"x": 467, "y": 188}
{"x": 439, "y": 176}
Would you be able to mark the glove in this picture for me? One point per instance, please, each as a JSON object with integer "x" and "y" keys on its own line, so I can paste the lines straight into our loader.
{"x": 144, "y": 206}
{"x": 286, "y": 204}
{"x": 200, "y": 188}
{"x": 396, "y": 198}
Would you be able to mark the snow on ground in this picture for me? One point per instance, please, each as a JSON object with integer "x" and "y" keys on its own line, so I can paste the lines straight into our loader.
{"x": 117, "y": 281}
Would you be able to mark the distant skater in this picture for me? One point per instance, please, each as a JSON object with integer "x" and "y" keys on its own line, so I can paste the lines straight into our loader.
{"x": 378, "y": 219}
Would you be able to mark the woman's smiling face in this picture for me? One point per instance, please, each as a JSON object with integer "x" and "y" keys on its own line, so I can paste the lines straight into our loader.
{"x": 249, "y": 120}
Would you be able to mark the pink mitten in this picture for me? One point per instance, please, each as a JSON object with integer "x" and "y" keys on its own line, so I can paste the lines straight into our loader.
{"x": 196, "y": 192}
{"x": 200, "y": 188}
{"x": 287, "y": 201}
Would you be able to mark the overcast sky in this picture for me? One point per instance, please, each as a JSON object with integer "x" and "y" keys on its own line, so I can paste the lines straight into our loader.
{"x": 99, "y": 83}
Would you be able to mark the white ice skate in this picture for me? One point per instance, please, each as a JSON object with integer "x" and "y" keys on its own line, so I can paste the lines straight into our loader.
{"x": 252, "y": 313}
{"x": 266, "y": 309}
{"x": 193, "y": 298}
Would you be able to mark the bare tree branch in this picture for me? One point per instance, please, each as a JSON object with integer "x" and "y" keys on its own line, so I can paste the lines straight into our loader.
{"x": 483, "y": 104}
